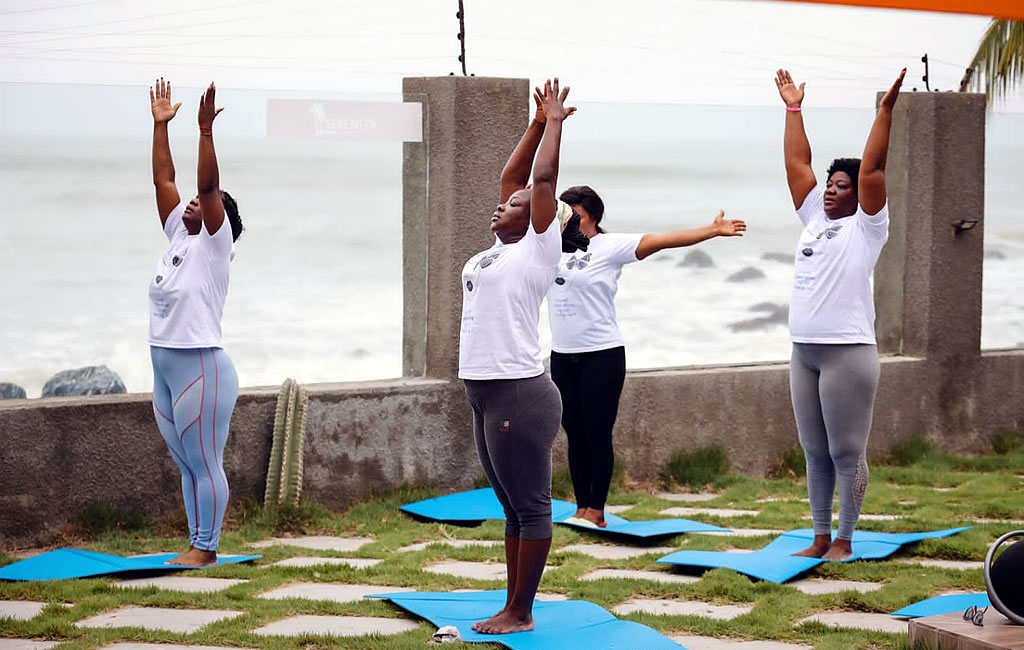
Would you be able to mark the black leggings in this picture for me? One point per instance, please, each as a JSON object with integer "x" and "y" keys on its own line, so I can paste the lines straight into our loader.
{"x": 590, "y": 383}
{"x": 515, "y": 422}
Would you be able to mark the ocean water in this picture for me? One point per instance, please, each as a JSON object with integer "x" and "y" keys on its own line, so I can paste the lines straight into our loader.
{"x": 316, "y": 286}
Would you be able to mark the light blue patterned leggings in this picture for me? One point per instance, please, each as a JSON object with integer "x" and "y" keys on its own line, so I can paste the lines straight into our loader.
{"x": 833, "y": 388}
{"x": 194, "y": 393}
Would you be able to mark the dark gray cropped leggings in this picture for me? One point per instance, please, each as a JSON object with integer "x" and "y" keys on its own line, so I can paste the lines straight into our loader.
{"x": 515, "y": 422}
{"x": 833, "y": 388}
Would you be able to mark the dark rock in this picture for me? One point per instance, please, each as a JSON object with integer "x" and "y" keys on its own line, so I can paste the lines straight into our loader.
{"x": 698, "y": 259}
{"x": 992, "y": 254}
{"x": 359, "y": 353}
{"x": 11, "y": 391}
{"x": 766, "y": 306}
{"x": 90, "y": 380}
{"x": 779, "y": 316}
{"x": 785, "y": 258}
{"x": 749, "y": 273}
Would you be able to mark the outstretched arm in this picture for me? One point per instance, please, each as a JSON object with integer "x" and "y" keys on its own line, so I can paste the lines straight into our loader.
{"x": 720, "y": 227}
{"x": 207, "y": 176}
{"x": 545, "y": 168}
{"x": 163, "y": 167}
{"x": 795, "y": 146}
{"x": 871, "y": 181}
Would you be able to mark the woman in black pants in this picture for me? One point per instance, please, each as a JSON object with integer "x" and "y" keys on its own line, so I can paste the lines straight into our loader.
{"x": 588, "y": 357}
{"x": 516, "y": 407}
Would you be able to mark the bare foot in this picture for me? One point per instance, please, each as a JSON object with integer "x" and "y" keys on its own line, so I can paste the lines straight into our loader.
{"x": 195, "y": 558}
{"x": 504, "y": 622}
{"x": 818, "y": 548}
{"x": 177, "y": 558}
{"x": 476, "y": 626}
{"x": 596, "y": 517}
{"x": 580, "y": 512}
{"x": 839, "y": 551}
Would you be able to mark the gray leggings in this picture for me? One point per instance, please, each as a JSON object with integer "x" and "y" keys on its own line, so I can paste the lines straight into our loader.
{"x": 833, "y": 388}
{"x": 515, "y": 422}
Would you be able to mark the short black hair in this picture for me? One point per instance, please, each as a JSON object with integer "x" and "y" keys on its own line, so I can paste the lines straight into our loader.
{"x": 849, "y": 165}
{"x": 588, "y": 198}
{"x": 231, "y": 210}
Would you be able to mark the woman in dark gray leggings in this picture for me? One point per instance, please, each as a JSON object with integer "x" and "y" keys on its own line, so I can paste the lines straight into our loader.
{"x": 834, "y": 368}
{"x": 516, "y": 407}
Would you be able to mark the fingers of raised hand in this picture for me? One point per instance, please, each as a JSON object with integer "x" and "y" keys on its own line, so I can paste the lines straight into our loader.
{"x": 570, "y": 111}
{"x": 554, "y": 87}
{"x": 564, "y": 94}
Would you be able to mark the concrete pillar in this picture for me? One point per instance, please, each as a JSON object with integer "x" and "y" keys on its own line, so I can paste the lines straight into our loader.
{"x": 928, "y": 278}
{"x": 450, "y": 189}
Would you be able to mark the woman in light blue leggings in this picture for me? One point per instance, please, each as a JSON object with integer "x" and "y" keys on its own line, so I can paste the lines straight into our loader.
{"x": 195, "y": 385}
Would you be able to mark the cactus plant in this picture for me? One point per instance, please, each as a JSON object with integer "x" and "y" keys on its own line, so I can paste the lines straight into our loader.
{"x": 284, "y": 475}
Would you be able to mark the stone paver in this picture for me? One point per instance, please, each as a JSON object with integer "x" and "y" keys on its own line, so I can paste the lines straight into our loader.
{"x": 959, "y": 565}
{"x": 20, "y": 610}
{"x": 865, "y": 517}
{"x": 632, "y": 574}
{"x": 354, "y": 562}
{"x": 456, "y": 543}
{"x": 860, "y": 620}
{"x": 817, "y": 586}
{"x": 180, "y": 583}
{"x": 183, "y": 621}
{"x": 333, "y": 591}
{"x": 477, "y": 570}
{"x": 604, "y": 552}
{"x": 987, "y": 520}
{"x": 708, "y": 643}
{"x": 745, "y": 532}
{"x": 687, "y": 497}
{"x": 946, "y": 489}
{"x": 681, "y": 608}
{"x": 782, "y": 500}
{"x": 336, "y": 626}
{"x": 318, "y": 543}
{"x": 164, "y": 646}
{"x": 26, "y": 644}
{"x": 680, "y": 511}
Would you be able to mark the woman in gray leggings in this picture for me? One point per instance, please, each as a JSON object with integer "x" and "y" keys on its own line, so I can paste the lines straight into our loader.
{"x": 516, "y": 407}
{"x": 834, "y": 368}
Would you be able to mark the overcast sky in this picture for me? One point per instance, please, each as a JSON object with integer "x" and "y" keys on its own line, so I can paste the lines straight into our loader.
{"x": 650, "y": 51}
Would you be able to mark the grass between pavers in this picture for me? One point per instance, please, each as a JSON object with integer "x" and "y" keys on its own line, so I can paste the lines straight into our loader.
{"x": 985, "y": 487}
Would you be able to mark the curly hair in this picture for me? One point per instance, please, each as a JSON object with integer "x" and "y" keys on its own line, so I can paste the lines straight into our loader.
{"x": 849, "y": 165}
{"x": 588, "y": 198}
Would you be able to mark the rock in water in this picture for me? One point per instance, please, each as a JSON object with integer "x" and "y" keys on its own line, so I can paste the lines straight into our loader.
{"x": 785, "y": 258}
{"x": 91, "y": 380}
{"x": 748, "y": 273}
{"x": 11, "y": 391}
{"x": 993, "y": 254}
{"x": 698, "y": 259}
{"x": 779, "y": 316}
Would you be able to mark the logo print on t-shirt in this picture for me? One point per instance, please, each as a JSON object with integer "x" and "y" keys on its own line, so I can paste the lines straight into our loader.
{"x": 486, "y": 261}
{"x": 580, "y": 263}
{"x": 469, "y": 284}
{"x": 832, "y": 232}
{"x": 176, "y": 260}
{"x": 808, "y": 252}
{"x": 159, "y": 279}
{"x": 559, "y": 281}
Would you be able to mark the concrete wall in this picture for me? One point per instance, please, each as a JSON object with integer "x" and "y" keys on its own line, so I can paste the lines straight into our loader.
{"x": 58, "y": 454}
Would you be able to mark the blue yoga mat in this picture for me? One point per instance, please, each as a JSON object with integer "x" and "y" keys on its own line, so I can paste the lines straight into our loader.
{"x": 944, "y": 605}
{"x": 776, "y": 562}
{"x": 72, "y": 563}
{"x": 565, "y": 625}
{"x": 477, "y": 505}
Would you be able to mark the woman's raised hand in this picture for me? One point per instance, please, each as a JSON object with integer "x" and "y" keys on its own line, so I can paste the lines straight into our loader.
{"x": 889, "y": 99}
{"x": 728, "y": 227}
{"x": 790, "y": 93}
{"x": 160, "y": 99}
{"x": 207, "y": 110}
{"x": 552, "y": 100}
{"x": 539, "y": 114}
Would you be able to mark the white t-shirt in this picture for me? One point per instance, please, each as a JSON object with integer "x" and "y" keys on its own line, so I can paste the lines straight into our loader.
{"x": 502, "y": 288}
{"x": 188, "y": 288}
{"x": 581, "y": 301}
{"x": 832, "y": 298}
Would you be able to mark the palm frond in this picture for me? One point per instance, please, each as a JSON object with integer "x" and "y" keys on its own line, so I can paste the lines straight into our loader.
{"x": 999, "y": 61}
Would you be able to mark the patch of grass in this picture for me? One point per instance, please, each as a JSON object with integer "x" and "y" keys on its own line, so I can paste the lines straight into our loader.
{"x": 791, "y": 464}
{"x": 99, "y": 517}
{"x": 697, "y": 468}
{"x": 561, "y": 484}
{"x": 1006, "y": 441}
{"x": 908, "y": 452}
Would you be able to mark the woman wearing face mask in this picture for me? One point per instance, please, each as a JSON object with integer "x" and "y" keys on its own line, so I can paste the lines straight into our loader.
{"x": 834, "y": 368}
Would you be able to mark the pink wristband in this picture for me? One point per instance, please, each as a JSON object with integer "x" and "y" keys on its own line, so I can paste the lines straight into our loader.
{"x": 794, "y": 109}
